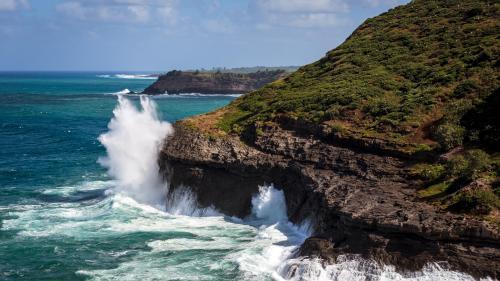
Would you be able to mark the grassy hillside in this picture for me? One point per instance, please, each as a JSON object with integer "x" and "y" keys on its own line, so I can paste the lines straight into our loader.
{"x": 423, "y": 77}
{"x": 407, "y": 76}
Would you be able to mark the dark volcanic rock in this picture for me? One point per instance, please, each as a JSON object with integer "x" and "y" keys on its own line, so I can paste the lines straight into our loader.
{"x": 359, "y": 203}
{"x": 175, "y": 82}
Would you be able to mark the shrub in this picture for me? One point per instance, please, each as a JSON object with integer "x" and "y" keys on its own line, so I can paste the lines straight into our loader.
{"x": 465, "y": 88}
{"x": 428, "y": 172}
{"x": 457, "y": 166}
{"x": 469, "y": 166}
{"x": 381, "y": 106}
{"x": 449, "y": 135}
{"x": 476, "y": 201}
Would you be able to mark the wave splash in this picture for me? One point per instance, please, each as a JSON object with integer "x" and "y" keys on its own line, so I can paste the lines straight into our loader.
{"x": 132, "y": 145}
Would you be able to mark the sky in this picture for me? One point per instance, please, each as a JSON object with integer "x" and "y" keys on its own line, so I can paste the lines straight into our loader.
{"x": 160, "y": 35}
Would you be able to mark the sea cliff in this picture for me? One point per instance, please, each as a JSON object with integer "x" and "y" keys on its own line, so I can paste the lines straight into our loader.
{"x": 396, "y": 162}
{"x": 359, "y": 202}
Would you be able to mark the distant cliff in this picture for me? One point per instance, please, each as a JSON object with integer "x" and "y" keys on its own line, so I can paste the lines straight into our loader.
{"x": 175, "y": 82}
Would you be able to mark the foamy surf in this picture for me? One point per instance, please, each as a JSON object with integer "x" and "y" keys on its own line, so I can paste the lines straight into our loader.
{"x": 119, "y": 230}
{"x": 196, "y": 95}
{"x": 129, "y": 76}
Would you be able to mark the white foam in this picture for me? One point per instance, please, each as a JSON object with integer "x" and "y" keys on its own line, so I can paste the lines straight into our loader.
{"x": 132, "y": 145}
{"x": 183, "y": 244}
{"x": 85, "y": 186}
{"x": 135, "y": 76}
{"x": 191, "y": 95}
{"x": 182, "y": 201}
{"x": 276, "y": 240}
{"x": 122, "y": 92}
{"x": 269, "y": 205}
{"x": 259, "y": 247}
{"x": 129, "y": 76}
{"x": 358, "y": 269}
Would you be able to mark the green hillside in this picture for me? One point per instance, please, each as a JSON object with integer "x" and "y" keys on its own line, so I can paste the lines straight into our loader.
{"x": 407, "y": 76}
{"x": 421, "y": 79}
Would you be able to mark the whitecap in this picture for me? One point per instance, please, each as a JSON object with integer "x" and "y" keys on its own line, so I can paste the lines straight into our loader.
{"x": 194, "y": 95}
{"x": 135, "y": 76}
{"x": 129, "y": 76}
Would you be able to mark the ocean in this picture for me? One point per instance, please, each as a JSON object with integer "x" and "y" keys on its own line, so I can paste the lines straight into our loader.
{"x": 81, "y": 198}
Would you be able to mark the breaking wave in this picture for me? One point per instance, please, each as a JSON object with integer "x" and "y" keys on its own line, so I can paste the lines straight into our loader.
{"x": 132, "y": 145}
{"x": 122, "y": 92}
{"x": 129, "y": 76}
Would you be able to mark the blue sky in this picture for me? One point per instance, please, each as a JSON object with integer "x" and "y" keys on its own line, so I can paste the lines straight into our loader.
{"x": 174, "y": 34}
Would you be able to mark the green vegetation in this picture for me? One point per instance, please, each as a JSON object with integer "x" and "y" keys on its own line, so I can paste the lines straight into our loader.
{"x": 429, "y": 172}
{"x": 480, "y": 202}
{"x": 421, "y": 78}
{"x": 435, "y": 190}
{"x": 468, "y": 182}
{"x": 419, "y": 74}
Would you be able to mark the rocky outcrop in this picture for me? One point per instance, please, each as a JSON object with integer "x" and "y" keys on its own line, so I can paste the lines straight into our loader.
{"x": 176, "y": 82}
{"x": 359, "y": 202}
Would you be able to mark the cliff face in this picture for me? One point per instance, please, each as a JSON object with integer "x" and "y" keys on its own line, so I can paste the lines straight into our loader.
{"x": 359, "y": 203}
{"x": 397, "y": 162}
{"x": 175, "y": 82}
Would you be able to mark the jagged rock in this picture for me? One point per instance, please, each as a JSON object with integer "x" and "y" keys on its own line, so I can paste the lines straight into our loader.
{"x": 361, "y": 203}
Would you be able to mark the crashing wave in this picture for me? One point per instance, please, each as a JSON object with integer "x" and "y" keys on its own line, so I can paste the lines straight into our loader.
{"x": 122, "y": 92}
{"x": 129, "y": 76}
{"x": 132, "y": 145}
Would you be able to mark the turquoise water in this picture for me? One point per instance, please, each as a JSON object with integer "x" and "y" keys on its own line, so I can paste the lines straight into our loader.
{"x": 56, "y": 221}
{"x": 75, "y": 194}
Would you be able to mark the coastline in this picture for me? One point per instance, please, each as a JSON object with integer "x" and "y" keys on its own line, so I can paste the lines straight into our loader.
{"x": 360, "y": 203}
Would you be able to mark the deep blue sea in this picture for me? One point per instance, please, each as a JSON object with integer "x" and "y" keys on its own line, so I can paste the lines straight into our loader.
{"x": 81, "y": 199}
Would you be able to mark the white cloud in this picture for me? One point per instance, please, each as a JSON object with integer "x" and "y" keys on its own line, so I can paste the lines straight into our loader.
{"x": 301, "y": 13}
{"x": 140, "y": 13}
{"x": 144, "y": 11}
{"x": 72, "y": 8}
{"x": 316, "y": 20}
{"x": 376, "y": 3}
{"x": 303, "y": 6}
{"x": 218, "y": 26}
{"x": 12, "y": 5}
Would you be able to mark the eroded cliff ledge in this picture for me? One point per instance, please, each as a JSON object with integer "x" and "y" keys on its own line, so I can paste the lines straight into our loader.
{"x": 359, "y": 202}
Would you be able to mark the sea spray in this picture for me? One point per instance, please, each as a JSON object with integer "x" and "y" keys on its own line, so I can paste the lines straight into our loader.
{"x": 269, "y": 205}
{"x": 132, "y": 145}
{"x": 277, "y": 238}
{"x": 182, "y": 201}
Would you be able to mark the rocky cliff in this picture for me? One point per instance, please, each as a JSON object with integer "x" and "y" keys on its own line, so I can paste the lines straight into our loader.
{"x": 359, "y": 202}
{"x": 176, "y": 82}
{"x": 396, "y": 162}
